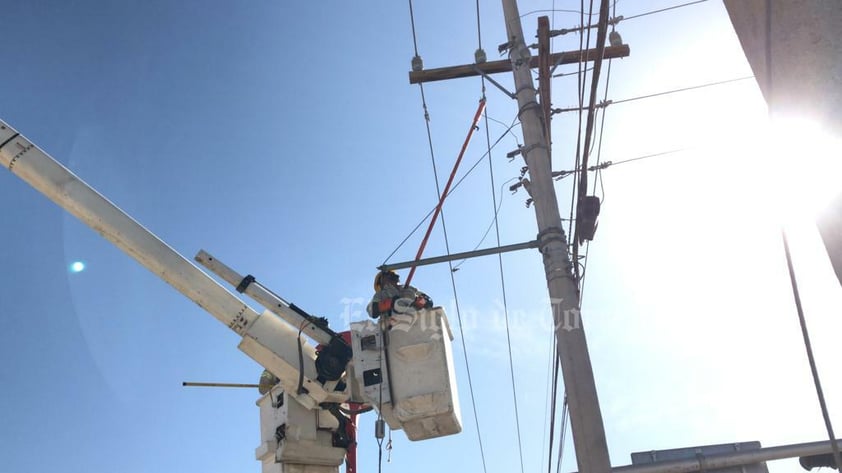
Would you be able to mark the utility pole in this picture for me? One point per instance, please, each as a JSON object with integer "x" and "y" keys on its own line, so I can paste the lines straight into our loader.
{"x": 586, "y": 419}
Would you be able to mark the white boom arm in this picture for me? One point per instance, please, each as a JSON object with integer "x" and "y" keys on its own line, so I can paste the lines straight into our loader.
{"x": 266, "y": 338}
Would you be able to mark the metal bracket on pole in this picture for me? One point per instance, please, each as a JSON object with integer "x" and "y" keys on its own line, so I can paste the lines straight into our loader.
{"x": 496, "y": 84}
{"x": 465, "y": 255}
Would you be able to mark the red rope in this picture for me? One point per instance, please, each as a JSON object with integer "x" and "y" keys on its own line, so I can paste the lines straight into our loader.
{"x": 480, "y": 109}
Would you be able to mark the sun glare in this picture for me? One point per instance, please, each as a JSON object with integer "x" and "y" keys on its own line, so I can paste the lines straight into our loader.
{"x": 800, "y": 170}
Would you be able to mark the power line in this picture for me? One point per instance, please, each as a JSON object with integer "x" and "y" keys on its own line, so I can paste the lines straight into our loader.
{"x": 453, "y": 284}
{"x": 562, "y": 174}
{"x": 581, "y": 97}
{"x": 443, "y": 195}
{"x": 499, "y": 256}
{"x": 490, "y": 225}
{"x": 582, "y": 186}
{"x": 599, "y": 181}
{"x": 602, "y": 32}
{"x": 565, "y": 74}
{"x": 505, "y": 299}
{"x": 582, "y": 190}
{"x": 664, "y": 9}
{"x": 809, "y": 348}
{"x": 605, "y": 103}
{"x": 412, "y": 22}
{"x": 653, "y": 155}
{"x": 479, "y": 41}
{"x": 565, "y": 418}
{"x": 447, "y": 247}
{"x": 552, "y": 10}
{"x": 617, "y": 19}
{"x": 452, "y": 190}
{"x": 550, "y": 365}
{"x": 684, "y": 89}
{"x": 553, "y": 401}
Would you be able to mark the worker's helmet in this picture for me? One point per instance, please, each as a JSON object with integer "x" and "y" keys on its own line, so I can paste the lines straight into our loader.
{"x": 384, "y": 277}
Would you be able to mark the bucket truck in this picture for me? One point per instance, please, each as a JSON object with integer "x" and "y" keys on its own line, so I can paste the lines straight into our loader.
{"x": 399, "y": 366}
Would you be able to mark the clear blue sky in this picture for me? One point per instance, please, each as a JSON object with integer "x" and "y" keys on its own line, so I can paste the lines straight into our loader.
{"x": 286, "y": 140}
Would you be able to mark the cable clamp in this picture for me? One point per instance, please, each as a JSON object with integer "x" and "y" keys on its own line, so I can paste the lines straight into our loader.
{"x": 549, "y": 235}
{"x": 245, "y": 283}
{"x": 532, "y": 104}
{"x": 525, "y": 150}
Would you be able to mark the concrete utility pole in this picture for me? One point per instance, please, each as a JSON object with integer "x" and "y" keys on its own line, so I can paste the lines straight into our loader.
{"x": 585, "y": 416}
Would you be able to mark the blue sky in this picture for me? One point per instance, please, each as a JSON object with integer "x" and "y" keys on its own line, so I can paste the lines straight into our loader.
{"x": 286, "y": 140}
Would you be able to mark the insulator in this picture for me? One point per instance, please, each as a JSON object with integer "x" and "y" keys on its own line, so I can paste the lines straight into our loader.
{"x": 380, "y": 429}
{"x": 615, "y": 39}
{"x": 417, "y": 64}
{"x": 479, "y": 56}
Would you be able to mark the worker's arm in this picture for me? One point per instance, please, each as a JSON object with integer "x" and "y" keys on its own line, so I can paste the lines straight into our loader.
{"x": 380, "y": 304}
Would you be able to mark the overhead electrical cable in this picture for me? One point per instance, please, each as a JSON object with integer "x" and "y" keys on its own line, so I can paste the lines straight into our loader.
{"x": 601, "y": 35}
{"x": 548, "y": 384}
{"x": 447, "y": 247}
{"x": 557, "y": 175}
{"x": 580, "y": 187}
{"x": 597, "y": 180}
{"x": 499, "y": 256}
{"x": 565, "y": 420}
{"x": 606, "y": 103}
{"x": 552, "y": 10}
{"x": 565, "y": 74}
{"x": 580, "y": 92}
{"x": 443, "y": 196}
{"x": 453, "y": 285}
{"x": 503, "y": 289}
{"x": 553, "y": 403}
{"x": 453, "y": 189}
{"x": 459, "y": 318}
{"x": 479, "y": 42}
{"x": 490, "y": 225}
{"x": 617, "y": 19}
{"x": 709, "y": 84}
{"x": 663, "y": 9}
{"x": 837, "y": 458}
{"x": 412, "y": 22}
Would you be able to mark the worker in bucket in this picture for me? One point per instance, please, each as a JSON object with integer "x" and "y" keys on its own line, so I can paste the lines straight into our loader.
{"x": 389, "y": 296}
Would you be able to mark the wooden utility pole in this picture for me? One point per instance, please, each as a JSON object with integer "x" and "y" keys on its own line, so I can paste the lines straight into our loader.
{"x": 585, "y": 416}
